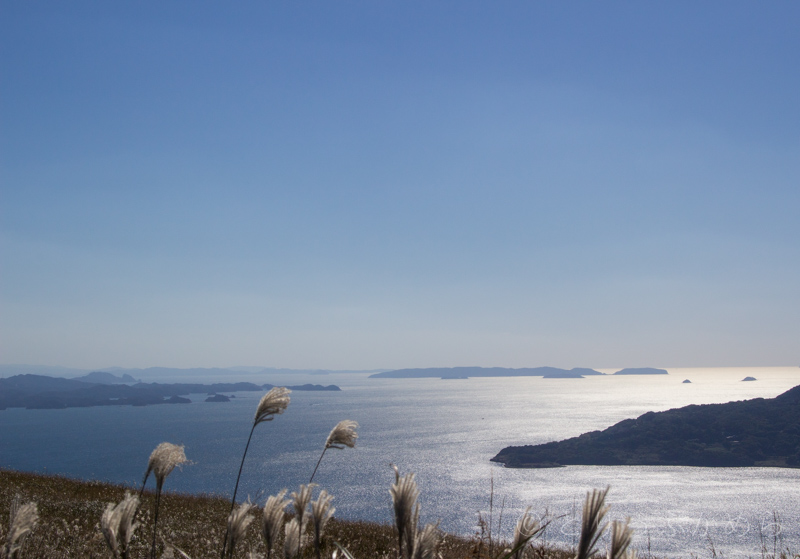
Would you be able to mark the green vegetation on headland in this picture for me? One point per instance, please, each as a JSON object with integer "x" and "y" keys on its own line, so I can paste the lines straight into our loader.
{"x": 41, "y": 392}
{"x": 759, "y": 432}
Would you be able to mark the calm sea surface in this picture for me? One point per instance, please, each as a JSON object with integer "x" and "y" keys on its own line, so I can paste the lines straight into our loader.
{"x": 445, "y": 431}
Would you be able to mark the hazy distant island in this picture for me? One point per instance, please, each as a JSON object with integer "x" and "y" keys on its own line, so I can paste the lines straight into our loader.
{"x": 218, "y": 398}
{"x": 642, "y": 371}
{"x": 103, "y": 377}
{"x": 475, "y": 372}
{"x": 43, "y": 392}
{"x": 759, "y": 432}
{"x": 467, "y": 372}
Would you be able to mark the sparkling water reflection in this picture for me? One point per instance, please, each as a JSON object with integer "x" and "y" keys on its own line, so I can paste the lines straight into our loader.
{"x": 446, "y": 431}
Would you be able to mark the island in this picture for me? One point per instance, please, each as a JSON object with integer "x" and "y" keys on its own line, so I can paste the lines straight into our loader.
{"x": 467, "y": 372}
{"x": 759, "y": 432}
{"x": 313, "y": 388}
{"x": 218, "y": 398}
{"x": 642, "y": 371}
{"x": 43, "y": 392}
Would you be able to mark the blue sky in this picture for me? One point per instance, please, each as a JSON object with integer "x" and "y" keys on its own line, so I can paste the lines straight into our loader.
{"x": 400, "y": 184}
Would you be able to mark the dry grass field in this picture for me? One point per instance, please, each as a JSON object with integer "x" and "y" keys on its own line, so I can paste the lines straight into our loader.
{"x": 70, "y": 512}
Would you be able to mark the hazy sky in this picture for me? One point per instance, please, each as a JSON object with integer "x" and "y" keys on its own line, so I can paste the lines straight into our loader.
{"x": 400, "y": 184}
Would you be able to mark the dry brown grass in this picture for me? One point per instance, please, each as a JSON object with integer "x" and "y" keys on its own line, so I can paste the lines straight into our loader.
{"x": 70, "y": 514}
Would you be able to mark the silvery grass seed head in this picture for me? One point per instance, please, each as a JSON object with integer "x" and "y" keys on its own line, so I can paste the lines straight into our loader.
{"x": 321, "y": 513}
{"x": 404, "y": 494}
{"x": 425, "y": 542}
{"x": 344, "y": 434}
{"x": 272, "y": 403}
{"x": 526, "y": 529}
{"x": 238, "y": 521}
{"x": 594, "y": 510}
{"x": 163, "y": 460}
{"x": 24, "y": 519}
{"x": 117, "y": 524}
{"x": 300, "y": 500}
{"x": 291, "y": 543}
{"x": 621, "y": 535}
{"x": 272, "y": 519}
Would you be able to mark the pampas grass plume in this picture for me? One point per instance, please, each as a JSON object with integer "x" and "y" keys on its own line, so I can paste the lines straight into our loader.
{"x": 526, "y": 529}
{"x": 594, "y": 510}
{"x": 165, "y": 458}
{"x": 272, "y": 520}
{"x": 300, "y": 500}
{"x": 404, "y": 494}
{"x": 24, "y": 519}
{"x": 621, "y": 535}
{"x": 321, "y": 513}
{"x": 117, "y": 524}
{"x": 425, "y": 542}
{"x": 291, "y": 543}
{"x": 238, "y": 521}
{"x": 272, "y": 403}
{"x": 344, "y": 434}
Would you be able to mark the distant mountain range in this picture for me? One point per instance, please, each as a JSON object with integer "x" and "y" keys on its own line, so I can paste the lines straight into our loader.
{"x": 164, "y": 372}
{"x": 759, "y": 432}
{"x": 43, "y": 392}
{"x": 107, "y": 375}
{"x": 102, "y": 377}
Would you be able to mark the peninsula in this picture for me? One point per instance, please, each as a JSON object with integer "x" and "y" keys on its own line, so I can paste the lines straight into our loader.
{"x": 759, "y": 432}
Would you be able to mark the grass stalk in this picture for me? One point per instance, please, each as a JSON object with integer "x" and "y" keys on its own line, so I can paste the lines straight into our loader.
{"x": 271, "y": 404}
{"x": 318, "y": 463}
{"x": 236, "y": 488}
{"x": 155, "y": 521}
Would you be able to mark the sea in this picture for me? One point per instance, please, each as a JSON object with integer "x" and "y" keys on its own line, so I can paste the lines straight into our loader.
{"x": 445, "y": 432}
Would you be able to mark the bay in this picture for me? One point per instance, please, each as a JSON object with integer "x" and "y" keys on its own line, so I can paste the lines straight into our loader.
{"x": 445, "y": 431}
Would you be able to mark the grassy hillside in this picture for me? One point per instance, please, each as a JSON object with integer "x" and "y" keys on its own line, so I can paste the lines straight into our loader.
{"x": 70, "y": 513}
